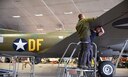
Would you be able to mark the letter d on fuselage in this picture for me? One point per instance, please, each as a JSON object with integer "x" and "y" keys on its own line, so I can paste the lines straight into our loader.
{"x": 34, "y": 45}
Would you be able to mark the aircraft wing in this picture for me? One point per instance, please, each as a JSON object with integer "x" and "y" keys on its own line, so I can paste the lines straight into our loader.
{"x": 115, "y": 23}
{"x": 113, "y": 34}
{"x": 58, "y": 49}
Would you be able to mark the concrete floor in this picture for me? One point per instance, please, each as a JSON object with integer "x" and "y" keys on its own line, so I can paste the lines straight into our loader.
{"x": 49, "y": 70}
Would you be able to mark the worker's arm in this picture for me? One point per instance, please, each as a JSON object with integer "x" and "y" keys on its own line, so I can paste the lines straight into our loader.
{"x": 90, "y": 19}
{"x": 101, "y": 32}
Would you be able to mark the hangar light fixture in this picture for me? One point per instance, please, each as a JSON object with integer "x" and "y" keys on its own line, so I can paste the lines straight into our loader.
{"x": 38, "y": 15}
{"x": 58, "y": 29}
{"x": 60, "y": 37}
{"x": 66, "y": 13}
{"x": 39, "y": 29}
{"x": 43, "y": 33}
{"x": 16, "y": 16}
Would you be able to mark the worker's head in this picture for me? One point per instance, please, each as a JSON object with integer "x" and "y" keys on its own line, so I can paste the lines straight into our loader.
{"x": 81, "y": 16}
{"x": 98, "y": 29}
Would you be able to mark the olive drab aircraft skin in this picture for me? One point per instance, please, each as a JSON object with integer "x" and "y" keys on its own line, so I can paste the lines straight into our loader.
{"x": 53, "y": 44}
{"x": 28, "y": 42}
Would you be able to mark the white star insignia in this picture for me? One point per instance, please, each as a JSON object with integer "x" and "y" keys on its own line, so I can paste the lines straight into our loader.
{"x": 20, "y": 44}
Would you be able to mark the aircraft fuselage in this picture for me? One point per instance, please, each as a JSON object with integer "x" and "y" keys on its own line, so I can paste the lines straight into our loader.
{"x": 30, "y": 42}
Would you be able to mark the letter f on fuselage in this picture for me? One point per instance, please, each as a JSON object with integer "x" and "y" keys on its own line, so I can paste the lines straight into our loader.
{"x": 34, "y": 45}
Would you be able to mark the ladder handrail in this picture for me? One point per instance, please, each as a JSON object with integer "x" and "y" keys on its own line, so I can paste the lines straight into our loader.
{"x": 95, "y": 60}
{"x": 122, "y": 50}
{"x": 66, "y": 51}
{"x": 64, "y": 55}
{"x": 77, "y": 44}
{"x": 73, "y": 52}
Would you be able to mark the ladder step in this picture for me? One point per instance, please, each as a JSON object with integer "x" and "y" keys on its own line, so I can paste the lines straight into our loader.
{"x": 79, "y": 69}
{"x": 79, "y": 72}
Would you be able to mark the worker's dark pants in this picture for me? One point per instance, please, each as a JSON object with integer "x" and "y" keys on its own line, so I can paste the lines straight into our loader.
{"x": 86, "y": 53}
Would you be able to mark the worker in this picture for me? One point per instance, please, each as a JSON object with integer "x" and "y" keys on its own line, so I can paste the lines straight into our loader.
{"x": 26, "y": 61}
{"x": 97, "y": 31}
{"x": 83, "y": 31}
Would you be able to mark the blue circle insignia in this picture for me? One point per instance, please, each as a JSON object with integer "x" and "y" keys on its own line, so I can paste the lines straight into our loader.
{"x": 20, "y": 44}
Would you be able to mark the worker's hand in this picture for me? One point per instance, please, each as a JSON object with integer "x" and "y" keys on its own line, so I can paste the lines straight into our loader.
{"x": 100, "y": 34}
{"x": 100, "y": 31}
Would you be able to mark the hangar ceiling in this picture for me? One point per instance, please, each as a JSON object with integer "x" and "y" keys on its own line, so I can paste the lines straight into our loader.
{"x": 42, "y": 16}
